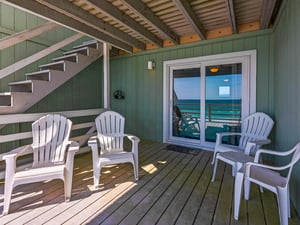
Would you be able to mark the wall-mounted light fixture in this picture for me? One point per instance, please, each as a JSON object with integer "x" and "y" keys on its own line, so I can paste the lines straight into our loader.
{"x": 214, "y": 69}
{"x": 150, "y": 65}
{"x": 118, "y": 94}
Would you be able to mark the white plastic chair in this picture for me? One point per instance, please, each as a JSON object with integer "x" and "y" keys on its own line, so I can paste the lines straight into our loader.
{"x": 110, "y": 135}
{"x": 255, "y": 130}
{"x": 50, "y": 146}
{"x": 268, "y": 177}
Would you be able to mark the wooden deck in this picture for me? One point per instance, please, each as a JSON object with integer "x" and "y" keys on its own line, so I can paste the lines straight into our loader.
{"x": 174, "y": 188}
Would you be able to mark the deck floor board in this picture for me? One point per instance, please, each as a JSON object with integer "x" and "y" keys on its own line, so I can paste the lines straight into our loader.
{"x": 174, "y": 188}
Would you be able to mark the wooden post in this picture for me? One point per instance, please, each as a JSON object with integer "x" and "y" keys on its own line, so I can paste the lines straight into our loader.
{"x": 106, "y": 78}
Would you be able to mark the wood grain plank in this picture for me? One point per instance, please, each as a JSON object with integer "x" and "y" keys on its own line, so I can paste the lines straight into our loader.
{"x": 170, "y": 192}
{"x": 172, "y": 212}
{"x": 143, "y": 206}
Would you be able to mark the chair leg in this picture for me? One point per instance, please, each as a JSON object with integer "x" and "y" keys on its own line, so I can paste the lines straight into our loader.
{"x": 96, "y": 172}
{"x": 68, "y": 186}
{"x": 247, "y": 185}
{"x": 215, "y": 169}
{"x": 214, "y": 158}
{"x": 237, "y": 193}
{"x": 282, "y": 205}
{"x": 7, "y": 195}
{"x": 136, "y": 171}
{"x": 288, "y": 201}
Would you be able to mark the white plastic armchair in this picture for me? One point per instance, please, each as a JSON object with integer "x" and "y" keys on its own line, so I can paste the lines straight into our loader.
{"x": 268, "y": 177}
{"x": 255, "y": 130}
{"x": 110, "y": 138}
{"x": 53, "y": 157}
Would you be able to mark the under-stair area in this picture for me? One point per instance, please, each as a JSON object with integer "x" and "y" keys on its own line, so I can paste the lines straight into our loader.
{"x": 24, "y": 94}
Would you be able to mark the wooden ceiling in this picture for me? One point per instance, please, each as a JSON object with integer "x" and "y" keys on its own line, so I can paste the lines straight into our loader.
{"x": 138, "y": 25}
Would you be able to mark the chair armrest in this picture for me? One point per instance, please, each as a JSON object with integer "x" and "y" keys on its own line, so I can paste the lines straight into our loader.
{"x": 271, "y": 152}
{"x": 261, "y": 142}
{"x": 93, "y": 144}
{"x": 23, "y": 150}
{"x": 254, "y": 145}
{"x": 135, "y": 141}
{"x": 73, "y": 147}
{"x": 132, "y": 138}
{"x": 249, "y": 164}
{"x": 11, "y": 159}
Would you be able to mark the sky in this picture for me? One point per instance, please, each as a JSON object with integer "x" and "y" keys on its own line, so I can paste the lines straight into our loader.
{"x": 189, "y": 87}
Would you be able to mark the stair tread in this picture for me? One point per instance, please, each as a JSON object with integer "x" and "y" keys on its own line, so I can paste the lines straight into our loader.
{"x": 38, "y": 72}
{"x": 20, "y": 82}
{"x": 86, "y": 44}
{"x": 76, "y": 50}
{"x": 65, "y": 56}
{"x": 53, "y": 63}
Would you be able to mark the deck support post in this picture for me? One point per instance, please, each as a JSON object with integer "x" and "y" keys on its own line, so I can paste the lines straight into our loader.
{"x": 106, "y": 76}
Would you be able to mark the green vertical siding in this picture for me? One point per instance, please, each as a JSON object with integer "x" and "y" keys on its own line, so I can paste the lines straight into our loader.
{"x": 143, "y": 103}
{"x": 287, "y": 83}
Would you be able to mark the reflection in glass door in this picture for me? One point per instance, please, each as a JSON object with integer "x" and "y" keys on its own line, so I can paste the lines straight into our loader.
{"x": 223, "y": 98}
{"x": 186, "y": 103}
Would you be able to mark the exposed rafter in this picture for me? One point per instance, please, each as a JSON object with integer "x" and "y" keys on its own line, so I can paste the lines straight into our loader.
{"x": 85, "y": 17}
{"x": 110, "y": 10}
{"x": 140, "y": 9}
{"x": 187, "y": 11}
{"x": 46, "y": 12}
{"x": 231, "y": 13}
{"x": 267, "y": 11}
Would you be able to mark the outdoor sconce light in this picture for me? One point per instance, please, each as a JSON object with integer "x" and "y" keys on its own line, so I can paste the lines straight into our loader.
{"x": 150, "y": 65}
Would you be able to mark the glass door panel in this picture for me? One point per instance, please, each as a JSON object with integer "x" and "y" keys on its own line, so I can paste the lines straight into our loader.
{"x": 186, "y": 103}
{"x": 223, "y": 98}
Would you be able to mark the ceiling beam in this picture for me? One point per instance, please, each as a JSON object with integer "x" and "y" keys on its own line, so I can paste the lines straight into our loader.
{"x": 50, "y": 14}
{"x": 85, "y": 17}
{"x": 186, "y": 9}
{"x": 112, "y": 11}
{"x": 144, "y": 12}
{"x": 267, "y": 11}
{"x": 231, "y": 13}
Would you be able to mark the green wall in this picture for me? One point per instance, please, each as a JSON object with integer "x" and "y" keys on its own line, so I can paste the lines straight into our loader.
{"x": 287, "y": 83}
{"x": 143, "y": 103}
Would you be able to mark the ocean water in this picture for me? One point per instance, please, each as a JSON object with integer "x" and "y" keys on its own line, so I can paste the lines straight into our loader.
{"x": 214, "y": 110}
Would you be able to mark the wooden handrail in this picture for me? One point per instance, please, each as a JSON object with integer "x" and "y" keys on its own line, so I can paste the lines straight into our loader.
{"x": 25, "y": 35}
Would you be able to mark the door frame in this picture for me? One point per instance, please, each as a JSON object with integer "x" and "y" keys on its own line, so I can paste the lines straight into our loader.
{"x": 248, "y": 58}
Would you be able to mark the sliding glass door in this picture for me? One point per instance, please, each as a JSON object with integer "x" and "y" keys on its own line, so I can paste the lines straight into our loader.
{"x": 204, "y": 96}
{"x": 185, "y": 90}
{"x": 223, "y": 98}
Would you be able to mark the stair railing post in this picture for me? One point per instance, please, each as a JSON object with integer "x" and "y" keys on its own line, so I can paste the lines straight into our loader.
{"x": 106, "y": 76}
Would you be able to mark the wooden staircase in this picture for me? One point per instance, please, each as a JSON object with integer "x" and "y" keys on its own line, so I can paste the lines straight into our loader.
{"x": 24, "y": 94}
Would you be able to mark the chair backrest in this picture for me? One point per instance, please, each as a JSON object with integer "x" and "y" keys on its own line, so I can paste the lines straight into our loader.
{"x": 50, "y": 136}
{"x": 110, "y": 131}
{"x": 254, "y": 127}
